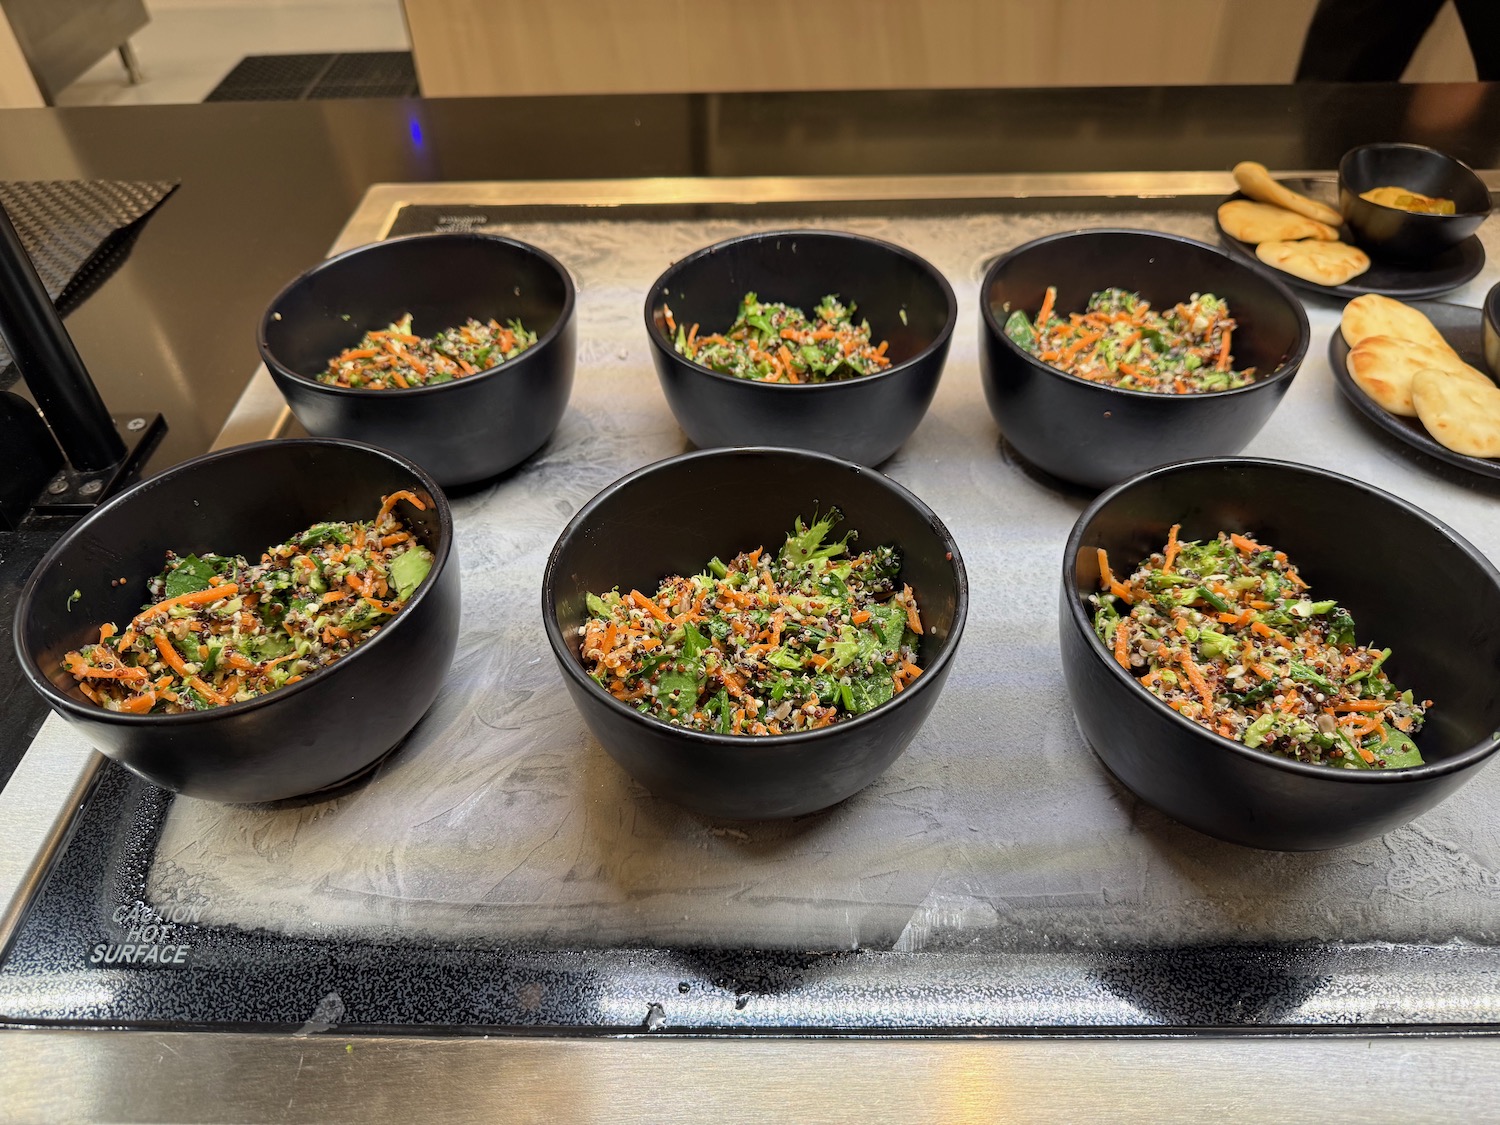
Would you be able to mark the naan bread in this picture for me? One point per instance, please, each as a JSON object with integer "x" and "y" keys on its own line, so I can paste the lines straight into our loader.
{"x": 1384, "y": 367}
{"x": 1257, "y": 183}
{"x": 1460, "y": 414}
{"x": 1374, "y": 315}
{"x": 1262, "y": 222}
{"x": 1323, "y": 263}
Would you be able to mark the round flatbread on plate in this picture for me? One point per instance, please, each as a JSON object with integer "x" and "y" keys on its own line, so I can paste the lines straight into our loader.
{"x": 1437, "y": 276}
{"x": 1384, "y": 368}
{"x": 1461, "y": 328}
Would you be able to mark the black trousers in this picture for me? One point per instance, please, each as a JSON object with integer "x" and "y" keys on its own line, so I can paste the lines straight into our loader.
{"x": 1373, "y": 40}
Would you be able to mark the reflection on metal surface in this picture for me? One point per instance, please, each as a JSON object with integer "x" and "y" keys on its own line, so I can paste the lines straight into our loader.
{"x": 260, "y": 413}
{"x": 148, "y": 1076}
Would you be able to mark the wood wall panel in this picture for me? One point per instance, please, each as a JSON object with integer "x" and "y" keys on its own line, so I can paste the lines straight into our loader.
{"x": 483, "y": 47}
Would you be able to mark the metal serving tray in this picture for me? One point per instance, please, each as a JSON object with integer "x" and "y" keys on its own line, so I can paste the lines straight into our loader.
{"x": 501, "y": 873}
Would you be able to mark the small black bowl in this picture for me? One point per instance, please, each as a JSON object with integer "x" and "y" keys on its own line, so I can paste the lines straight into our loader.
{"x": 299, "y": 739}
{"x": 671, "y": 518}
{"x": 462, "y": 431}
{"x": 1093, "y": 434}
{"x": 906, "y": 300}
{"x": 1222, "y": 787}
{"x": 1389, "y": 232}
{"x": 1490, "y": 331}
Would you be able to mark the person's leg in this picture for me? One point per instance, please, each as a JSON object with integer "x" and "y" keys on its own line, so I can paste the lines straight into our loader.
{"x": 1367, "y": 40}
{"x": 1481, "y": 20}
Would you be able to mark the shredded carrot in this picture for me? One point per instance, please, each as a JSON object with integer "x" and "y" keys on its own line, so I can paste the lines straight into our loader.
{"x": 74, "y": 663}
{"x": 390, "y": 502}
{"x": 1046, "y": 310}
{"x": 1250, "y": 546}
{"x": 912, "y": 620}
{"x": 1122, "y": 643}
{"x": 197, "y": 597}
{"x": 1106, "y": 575}
{"x": 1195, "y": 677}
{"x": 649, "y": 606}
{"x": 169, "y": 654}
{"x": 1172, "y": 548}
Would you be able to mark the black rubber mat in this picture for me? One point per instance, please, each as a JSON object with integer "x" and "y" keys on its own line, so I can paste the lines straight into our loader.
{"x": 290, "y": 78}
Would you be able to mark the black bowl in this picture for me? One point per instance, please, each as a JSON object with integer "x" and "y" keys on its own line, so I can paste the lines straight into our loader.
{"x": 671, "y": 518}
{"x": 1490, "y": 331}
{"x": 298, "y": 739}
{"x": 1389, "y": 232}
{"x": 1222, "y": 787}
{"x": 1093, "y": 434}
{"x": 906, "y": 300}
{"x": 462, "y": 431}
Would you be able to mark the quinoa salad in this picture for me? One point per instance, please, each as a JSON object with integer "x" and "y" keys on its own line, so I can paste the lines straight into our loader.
{"x": 1226, "y": 633}
{"x": 395, "y": 357}
{"x": 774, "y": 343}
{"x": 1120, "y": 340}
{"x": 763, "y": 644}
{"x": 220, "y": 630}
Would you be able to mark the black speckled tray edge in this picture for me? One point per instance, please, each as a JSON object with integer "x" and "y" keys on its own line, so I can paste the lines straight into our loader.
{"x": 1461, "y": 327}
{"x": 1457, "y": 267}
{"x": 236, "y": 980}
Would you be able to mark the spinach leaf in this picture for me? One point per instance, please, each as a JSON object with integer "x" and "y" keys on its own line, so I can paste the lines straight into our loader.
{"x": 865, "y": 693}
{"x": 1307, "y": 675}
{"x": 322, "y": 533}
{"x": 680, "y": 689}
{"x": 189, "y": 576}
{"x": 1254, "y": 695}
{"x": 1400, "y": 751}
{"x": 1018, "y": 328}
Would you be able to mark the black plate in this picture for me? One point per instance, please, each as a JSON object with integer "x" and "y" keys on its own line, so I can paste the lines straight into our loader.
{"x": 1462, "y": 327}
{"x": 1441, "y": 274}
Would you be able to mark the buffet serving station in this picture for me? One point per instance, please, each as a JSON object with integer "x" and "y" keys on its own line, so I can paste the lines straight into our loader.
{"x": 995, "y": 916}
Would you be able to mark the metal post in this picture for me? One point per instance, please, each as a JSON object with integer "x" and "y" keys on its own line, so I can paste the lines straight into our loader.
{"x": 50, "y": 364}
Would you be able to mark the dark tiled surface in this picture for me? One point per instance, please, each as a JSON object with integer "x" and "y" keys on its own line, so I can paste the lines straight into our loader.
{"x": 286, "y": 78}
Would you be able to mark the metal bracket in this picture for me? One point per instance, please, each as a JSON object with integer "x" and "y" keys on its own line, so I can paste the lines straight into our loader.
{"x": 72, "y": 492}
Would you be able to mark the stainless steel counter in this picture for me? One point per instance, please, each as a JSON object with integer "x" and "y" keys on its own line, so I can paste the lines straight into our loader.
{"x": 149, "y": 1076}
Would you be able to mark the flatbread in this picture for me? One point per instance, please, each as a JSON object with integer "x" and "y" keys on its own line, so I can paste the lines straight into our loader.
{"x": 1263, "y": 222}
{"x": 1323, "y": 263}
{"x": 1257, "y": 183}
{"x": 1383, "y": 367}
{"x": 1374, "y": 315}
{"x": 1459, "y": 414}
